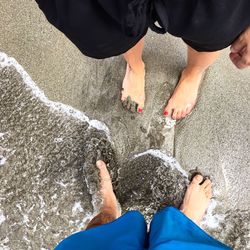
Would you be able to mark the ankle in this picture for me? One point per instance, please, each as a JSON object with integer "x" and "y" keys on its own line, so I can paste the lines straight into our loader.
{"x": 112, "y": 211}
{"x": 101, "y": 219}
{"x": 190, "y": 216}
{"x": 137, "y": 68}
{"x": 193, "y": 70}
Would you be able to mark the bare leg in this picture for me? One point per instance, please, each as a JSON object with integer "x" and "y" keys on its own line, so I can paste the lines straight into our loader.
{"x": 184, "y": 97}
{"x": 133, "y": 94}
{"x": 110, "y": 210}
{"x": 196, "y": 199}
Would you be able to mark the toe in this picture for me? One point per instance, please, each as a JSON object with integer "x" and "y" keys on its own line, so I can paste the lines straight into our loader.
{"x": 139, "y": 109}
{"x": 168, "y": 110}
{"x": 100, "y": 164}
{"x": 178, "y": 116}
{"x": 209, "y": 194}
{"x": 140, "y": 106}
{"x": 197, "y": 179}
{"x": 183, "y": 114}
{"x": 189, "y": 109}
{"x": 104, "y": 173}
{"x": 123, "y": 97}
{"x": 129, "y": 103}
{"x": 208, "y": 187}
{"x": 206, "y": 183}
{"x": 125, "y": 103}
{"x": 133, "y": 107}
{"x": 174, "y": 116}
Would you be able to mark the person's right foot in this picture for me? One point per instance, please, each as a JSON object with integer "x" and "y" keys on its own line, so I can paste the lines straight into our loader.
{"x": 133, "y": 89}
{"x": 197, "y": 198}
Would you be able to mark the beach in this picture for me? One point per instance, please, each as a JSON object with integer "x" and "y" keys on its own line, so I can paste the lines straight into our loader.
{"x": 60, "y": 111}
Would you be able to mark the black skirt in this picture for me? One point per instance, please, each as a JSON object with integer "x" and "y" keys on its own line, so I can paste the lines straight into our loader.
{"x": 105, "y": 28}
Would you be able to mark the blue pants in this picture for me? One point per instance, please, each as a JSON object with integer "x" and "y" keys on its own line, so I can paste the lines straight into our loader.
{"x": 169, "y": 229}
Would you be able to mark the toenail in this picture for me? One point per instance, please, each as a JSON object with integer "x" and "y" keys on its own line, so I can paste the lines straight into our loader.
{"x": 165, "y": 113}
{"x": 99, "y": 163}
{"x": 140, "y": 110}
{"x": 199, "y": 178}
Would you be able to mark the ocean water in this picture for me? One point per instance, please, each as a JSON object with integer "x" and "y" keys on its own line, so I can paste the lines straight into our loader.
{"x": 49, "y": 183}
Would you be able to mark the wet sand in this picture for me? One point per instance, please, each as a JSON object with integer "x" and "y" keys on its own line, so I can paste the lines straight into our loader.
{"x": 47, "y": 154}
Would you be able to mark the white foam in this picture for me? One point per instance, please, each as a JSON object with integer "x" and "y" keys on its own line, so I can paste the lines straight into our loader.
{"x": 168, "y": 160}
{"x": 99, "y": 125}
{"x": 61, "y": 184}
{"x": 54, "y": 196}
{"x": 169, "y": 122}
{"x": 212, "y": 220}
{"x": 58, "y": 140}
{"x": 42, "y": 203}
{"x": 43, "y": 207}
{"x": 4, "y": 248}
{"x": 248, "y": 243}
{"x": 4, "y": 241}
{"x": 2, "y": 217}
{"x": 2, "y": 135}
{"x": 26, "y": 239}
{"x": 77, "y": 208}
{"x": 6, "y": 61}
{"x": 25, "y": 219}
{"x": 2, "y": 160}
{"x": 19, "y": 207}
{"x": 84, "y": 221}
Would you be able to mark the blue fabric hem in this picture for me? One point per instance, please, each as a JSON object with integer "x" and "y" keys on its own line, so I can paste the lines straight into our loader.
{"x": 171, "y": 217}
{"x": 129, "y": 230}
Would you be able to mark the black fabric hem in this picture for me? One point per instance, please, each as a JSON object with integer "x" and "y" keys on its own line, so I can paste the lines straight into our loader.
{"x": 109, "y": 54}
{"x": 206, "y": 48}
{"x": 212, "y": 47}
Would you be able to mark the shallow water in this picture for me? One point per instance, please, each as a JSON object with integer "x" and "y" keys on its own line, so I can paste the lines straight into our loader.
{"x": 49, "y": 184}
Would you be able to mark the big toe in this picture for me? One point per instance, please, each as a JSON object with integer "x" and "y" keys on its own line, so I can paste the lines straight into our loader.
{"x": 100, "y": 164}
{"x": 104, "y": 173}
{"x": 168, "y": 110}
{"x": 177, "y": 114}
{"x": 132, "y": 106}
{"x": 197, "y": 179}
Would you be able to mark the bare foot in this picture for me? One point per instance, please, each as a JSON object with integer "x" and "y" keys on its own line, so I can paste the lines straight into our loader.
{"x": 185, "y": 94}
{"x": 133, "y": 93}
{"x": 110, "y": 202}
{"x": 196, "y": 199}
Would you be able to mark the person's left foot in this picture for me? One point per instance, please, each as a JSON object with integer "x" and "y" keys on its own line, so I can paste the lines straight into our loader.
{"x": 110, "y": 202}
{"x": 185, "y": 94}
